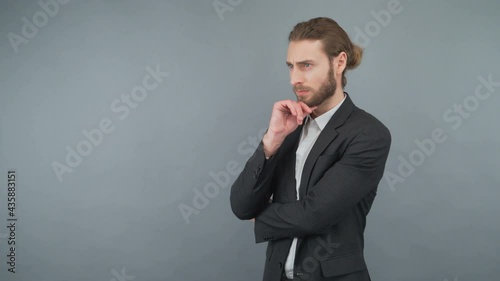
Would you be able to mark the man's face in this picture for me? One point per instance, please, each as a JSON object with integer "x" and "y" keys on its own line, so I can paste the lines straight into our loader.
{"x": 311, "y": 72}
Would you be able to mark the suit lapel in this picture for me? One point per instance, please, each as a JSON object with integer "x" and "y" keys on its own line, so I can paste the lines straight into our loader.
{"x": 326, "y": 136}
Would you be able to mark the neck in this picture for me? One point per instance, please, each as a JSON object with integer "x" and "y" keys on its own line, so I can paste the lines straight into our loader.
{"x": 329, "y": 103}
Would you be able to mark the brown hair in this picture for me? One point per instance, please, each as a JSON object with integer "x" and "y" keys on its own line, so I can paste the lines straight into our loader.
{"x": 335, "y": 40}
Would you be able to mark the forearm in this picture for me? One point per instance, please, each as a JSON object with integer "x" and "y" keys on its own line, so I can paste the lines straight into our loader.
{"x": 289, "y": 220}
{"x": 252, "y": 189}
{"x": 271, "y": 143}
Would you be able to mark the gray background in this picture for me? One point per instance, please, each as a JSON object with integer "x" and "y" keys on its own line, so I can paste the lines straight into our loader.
{"x": 119, "y": 209}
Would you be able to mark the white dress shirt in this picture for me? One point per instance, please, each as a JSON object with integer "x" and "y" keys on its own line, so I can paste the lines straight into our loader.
{"x": 310, "y": 132}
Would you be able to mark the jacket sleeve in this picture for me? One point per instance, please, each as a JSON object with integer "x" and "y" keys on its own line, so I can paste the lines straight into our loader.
{"x": 252, "y": 189}
{"x": 342, "y": 186}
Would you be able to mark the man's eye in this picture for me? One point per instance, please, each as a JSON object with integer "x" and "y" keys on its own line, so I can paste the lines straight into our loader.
{"x": 306, "y": 64}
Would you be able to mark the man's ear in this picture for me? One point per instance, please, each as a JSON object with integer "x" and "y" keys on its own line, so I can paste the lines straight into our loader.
{"x": 340, "y": 63}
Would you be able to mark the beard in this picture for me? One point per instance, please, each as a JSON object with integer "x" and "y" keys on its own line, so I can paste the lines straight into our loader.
{"x": 317, "y": 97}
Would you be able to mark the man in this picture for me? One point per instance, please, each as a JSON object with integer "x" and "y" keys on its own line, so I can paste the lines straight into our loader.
{"x": 311, "y": 182}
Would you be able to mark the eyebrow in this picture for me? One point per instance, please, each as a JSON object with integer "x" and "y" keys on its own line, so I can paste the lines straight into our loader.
{"x": 301, "y": 62}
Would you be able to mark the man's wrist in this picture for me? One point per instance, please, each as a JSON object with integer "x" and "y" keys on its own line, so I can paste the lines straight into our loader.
{"x": 271, "y": 144}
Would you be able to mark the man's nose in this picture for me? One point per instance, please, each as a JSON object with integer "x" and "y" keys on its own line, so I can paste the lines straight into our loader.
{"x": 296, "y": 78}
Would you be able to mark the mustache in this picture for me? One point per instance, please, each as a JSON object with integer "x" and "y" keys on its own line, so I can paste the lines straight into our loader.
{"x": 297, "y": 89}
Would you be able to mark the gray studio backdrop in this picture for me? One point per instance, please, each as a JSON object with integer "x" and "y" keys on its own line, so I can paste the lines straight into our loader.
{"x": 124, "y": 124}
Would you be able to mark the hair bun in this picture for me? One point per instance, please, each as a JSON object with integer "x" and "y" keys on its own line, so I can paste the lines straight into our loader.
{"x": 357, "y": 55}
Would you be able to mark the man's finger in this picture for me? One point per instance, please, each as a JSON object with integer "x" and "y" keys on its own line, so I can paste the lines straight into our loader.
{"x": 290, "y": 106}
{"x": 300, "y": 112}
{"x": 306, "y": 108}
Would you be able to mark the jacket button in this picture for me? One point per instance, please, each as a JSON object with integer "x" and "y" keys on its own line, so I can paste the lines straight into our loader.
{"x": 281, "y": 265}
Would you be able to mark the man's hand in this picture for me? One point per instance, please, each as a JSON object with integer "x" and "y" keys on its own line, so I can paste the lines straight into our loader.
{"x": 287, "y": 115}
{"x": 253, "y": 219}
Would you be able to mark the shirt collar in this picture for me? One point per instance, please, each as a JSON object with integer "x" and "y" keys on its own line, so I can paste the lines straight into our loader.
{"x": 323, "y": 119}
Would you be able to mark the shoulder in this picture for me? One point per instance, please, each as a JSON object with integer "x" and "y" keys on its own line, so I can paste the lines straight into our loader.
{"x": 364, "y": 124}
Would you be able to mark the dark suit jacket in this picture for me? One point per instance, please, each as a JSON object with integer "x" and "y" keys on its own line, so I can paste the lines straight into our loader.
{"x": 339, "y": 183}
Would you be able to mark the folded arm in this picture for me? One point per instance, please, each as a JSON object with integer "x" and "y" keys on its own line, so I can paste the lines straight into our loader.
{"x": 342, "y": 186}
{"x": 252, "y": 189}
